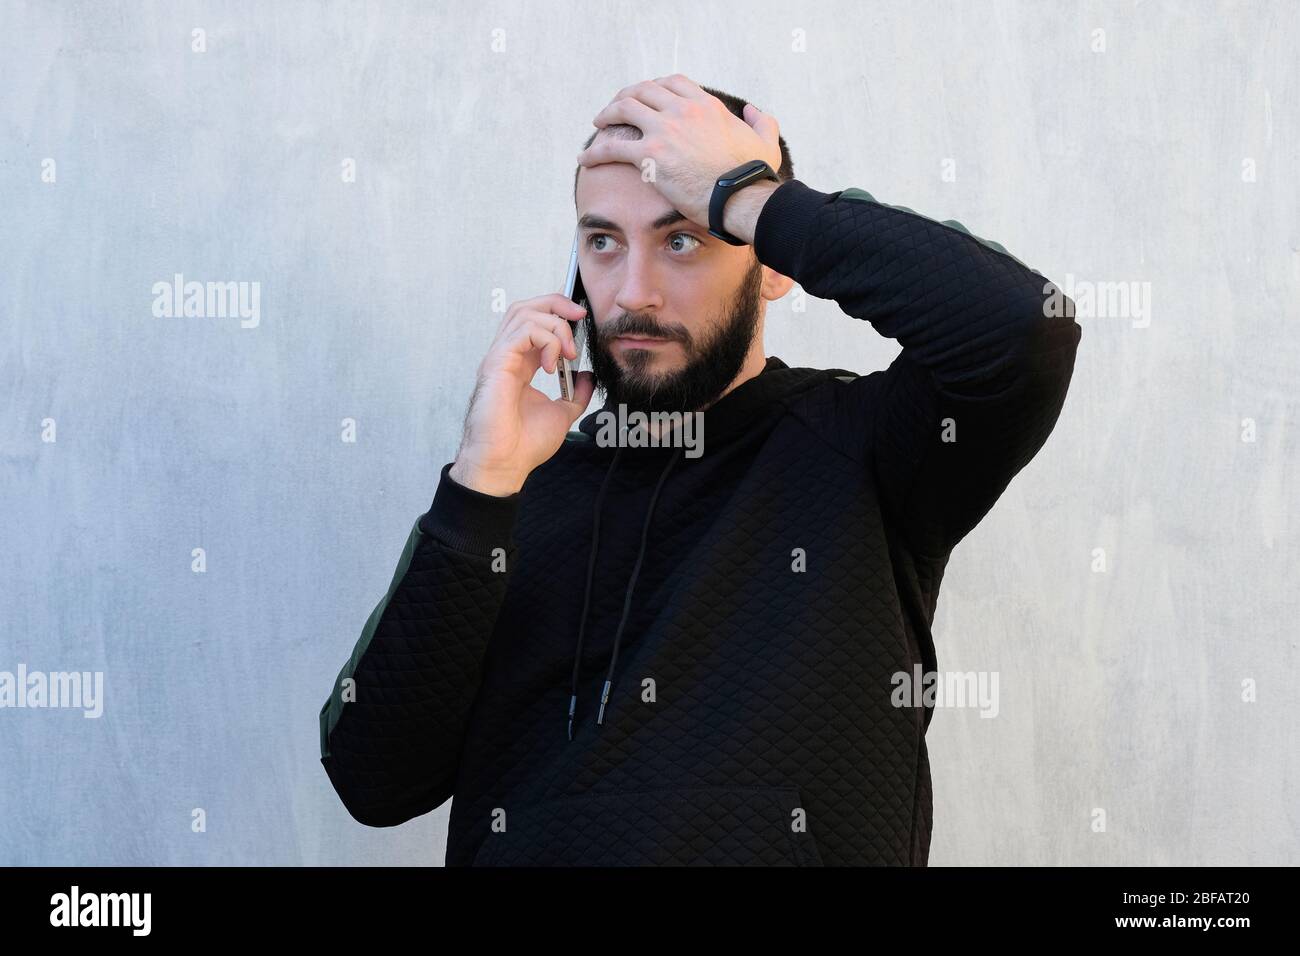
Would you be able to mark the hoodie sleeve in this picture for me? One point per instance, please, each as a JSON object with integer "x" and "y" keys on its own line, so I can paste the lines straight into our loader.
{"x": 392, "y": 728}
{"x": 988, "y": 349}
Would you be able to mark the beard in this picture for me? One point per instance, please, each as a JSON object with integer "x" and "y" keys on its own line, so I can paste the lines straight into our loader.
{"x": 711, "y": 365}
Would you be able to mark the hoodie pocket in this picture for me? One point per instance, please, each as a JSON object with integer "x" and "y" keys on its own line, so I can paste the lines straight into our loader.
{"x": 696, "y": 826}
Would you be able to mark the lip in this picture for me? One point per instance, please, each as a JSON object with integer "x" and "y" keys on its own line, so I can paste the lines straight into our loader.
{"x": 634, "y": 341}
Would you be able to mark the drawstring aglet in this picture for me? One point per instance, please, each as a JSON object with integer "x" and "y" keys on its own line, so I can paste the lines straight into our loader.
{"x": 573, "y": 702}
{"x": 604, "y": 696}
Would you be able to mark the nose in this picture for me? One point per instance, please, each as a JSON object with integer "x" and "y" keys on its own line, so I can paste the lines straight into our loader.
{"x": 639, "y": 291}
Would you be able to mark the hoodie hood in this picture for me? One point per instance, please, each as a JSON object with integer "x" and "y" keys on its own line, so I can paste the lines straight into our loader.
{"x": 740, "y": 409}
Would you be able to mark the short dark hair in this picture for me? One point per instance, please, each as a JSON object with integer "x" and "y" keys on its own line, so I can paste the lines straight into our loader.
{"x": 734, "y": 103}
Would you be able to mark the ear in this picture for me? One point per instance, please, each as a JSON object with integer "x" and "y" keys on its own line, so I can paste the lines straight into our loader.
{"x": 775, "y": 285}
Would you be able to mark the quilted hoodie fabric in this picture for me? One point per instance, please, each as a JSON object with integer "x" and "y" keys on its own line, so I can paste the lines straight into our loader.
{"x": 748, "y": 608}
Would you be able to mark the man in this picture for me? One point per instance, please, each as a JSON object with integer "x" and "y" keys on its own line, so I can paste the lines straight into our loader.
{"x": 612, "y": 653}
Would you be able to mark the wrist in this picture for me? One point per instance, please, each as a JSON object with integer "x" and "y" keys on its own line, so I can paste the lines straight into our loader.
{"x": 484, "y": 480}
{"x": 469, "y": 520}
{"x": 740, "y": 215}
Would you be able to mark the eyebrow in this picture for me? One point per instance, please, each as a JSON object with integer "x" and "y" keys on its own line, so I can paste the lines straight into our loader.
{"x": 592, "y": 221}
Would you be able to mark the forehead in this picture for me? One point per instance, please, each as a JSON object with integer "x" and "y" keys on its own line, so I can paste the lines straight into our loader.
{"x": 616, "y": 192}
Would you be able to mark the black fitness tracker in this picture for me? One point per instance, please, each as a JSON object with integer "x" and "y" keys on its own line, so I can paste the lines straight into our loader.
{"x": 732, "y": 181}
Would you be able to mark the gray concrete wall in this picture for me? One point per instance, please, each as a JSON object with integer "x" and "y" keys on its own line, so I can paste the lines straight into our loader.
{"x": 1127, "y": 585}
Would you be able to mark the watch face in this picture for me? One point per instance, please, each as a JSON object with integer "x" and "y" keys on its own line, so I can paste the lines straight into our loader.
{"x": 750, "y": 171}
{"x": 744, "y": 172}
{"x": 728, "y": 183}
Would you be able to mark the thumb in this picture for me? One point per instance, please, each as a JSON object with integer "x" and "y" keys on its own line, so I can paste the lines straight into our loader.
{"x": 584, "y": 386}
{"x": 762, "y": 124}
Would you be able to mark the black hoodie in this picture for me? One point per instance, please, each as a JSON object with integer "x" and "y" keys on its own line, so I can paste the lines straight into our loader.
{"x": 750, "y": 609}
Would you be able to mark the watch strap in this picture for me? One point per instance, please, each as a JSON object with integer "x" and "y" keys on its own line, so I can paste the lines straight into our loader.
{"x": 730, "y": 183}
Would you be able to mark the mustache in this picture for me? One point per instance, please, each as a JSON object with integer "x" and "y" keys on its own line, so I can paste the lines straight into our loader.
{"x": 643, "y": 326}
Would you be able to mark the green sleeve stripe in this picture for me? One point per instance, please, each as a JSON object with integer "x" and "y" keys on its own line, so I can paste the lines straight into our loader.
{"x": 861, "y": 195}
{"x": 333, "y": 707}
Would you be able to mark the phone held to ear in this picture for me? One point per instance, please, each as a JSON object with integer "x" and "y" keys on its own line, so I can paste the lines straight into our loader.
{"x": 565, "y": 368}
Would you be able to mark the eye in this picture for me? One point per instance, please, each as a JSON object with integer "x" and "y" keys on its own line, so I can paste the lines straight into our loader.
{"x": 595, "y": 236}
{"x": 686, "y": 235}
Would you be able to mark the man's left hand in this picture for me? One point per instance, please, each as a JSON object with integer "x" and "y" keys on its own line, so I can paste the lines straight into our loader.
{"x": 688, "y": 139}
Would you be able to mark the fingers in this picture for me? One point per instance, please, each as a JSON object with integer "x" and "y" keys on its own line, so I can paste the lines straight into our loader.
{"x": 537, "y": 334}
{"x": 613, "y": 151}
{"x": 650, "y": 92}
{"x": 584, "y": 386}
{"x": 684, "y": 86}
{"x": 555, "y": 304}
{"x": 633, "y": 112}
{"x": 764, "y": 124}
{"x": 641, "y": 100}
{"x": 540, "y": 331}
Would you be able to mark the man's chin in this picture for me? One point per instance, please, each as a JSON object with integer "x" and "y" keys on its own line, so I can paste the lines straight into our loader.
{"x": 651, "y": 373}
{"x": 665, "y": 358}
{"x": 639, "y": 391}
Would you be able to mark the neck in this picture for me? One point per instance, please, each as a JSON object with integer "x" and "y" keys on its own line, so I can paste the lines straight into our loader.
{"x": 755, "y": 362}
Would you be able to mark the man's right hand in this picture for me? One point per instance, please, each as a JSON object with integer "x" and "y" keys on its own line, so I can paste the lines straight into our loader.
{"x": 512, "y": 427}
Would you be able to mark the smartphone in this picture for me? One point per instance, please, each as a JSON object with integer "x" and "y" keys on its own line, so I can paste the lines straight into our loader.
{"x": 565, "y": 368}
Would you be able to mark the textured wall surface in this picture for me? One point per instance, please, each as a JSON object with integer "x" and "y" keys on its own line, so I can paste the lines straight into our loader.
{"x": 1135, "y": 589}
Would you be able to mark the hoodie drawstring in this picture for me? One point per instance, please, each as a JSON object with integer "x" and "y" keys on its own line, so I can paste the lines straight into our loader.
{"x": 586, "y": 594}
{"x": 631, "y": 584}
